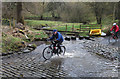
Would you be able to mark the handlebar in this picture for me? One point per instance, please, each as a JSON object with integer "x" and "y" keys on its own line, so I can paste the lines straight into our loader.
{"x": 52, "y": 41}
{"x": 112, "y": 32}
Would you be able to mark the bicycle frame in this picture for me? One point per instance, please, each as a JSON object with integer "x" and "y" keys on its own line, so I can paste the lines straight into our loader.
{"x": 51, "y": 46}
{"x": 112, "y": 38}
{"x": 113, "y": 35}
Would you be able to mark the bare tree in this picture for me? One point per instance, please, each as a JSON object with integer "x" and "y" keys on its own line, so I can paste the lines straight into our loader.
{"x": 53, "y": 6}
{"x": 19, "y": 13}
{"x": 119, "y": 13}
{"x": 98, "y": 8}
{"x": 75, "y": 12}
{"x": 35, "y": 8}
{"x": 9, "y": 10}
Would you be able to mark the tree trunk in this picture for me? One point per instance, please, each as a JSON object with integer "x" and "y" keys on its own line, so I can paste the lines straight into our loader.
{"x": 41, "y": 17}
{"x": 98, "y": 17}
{"x": 19, "y": 13}
{"x": 114, "y": 11}
{"x": 119, "y": 13}
{"x": 53, "y": 15}
{"x": 98, "y": 9}
{"x": 99, "y": 21}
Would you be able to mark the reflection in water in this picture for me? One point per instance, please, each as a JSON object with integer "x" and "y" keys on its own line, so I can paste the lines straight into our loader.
{"x": 56, "y": 62}
{"x": 73, "y": 42}
{"x": 53, "y": 67}
{"x": 113, "y": 43}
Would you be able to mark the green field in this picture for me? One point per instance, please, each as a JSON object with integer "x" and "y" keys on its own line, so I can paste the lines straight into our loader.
{"x": 57, "y": 24}
{"x": 61, "y": 26}
{"x": 42, "y": 22}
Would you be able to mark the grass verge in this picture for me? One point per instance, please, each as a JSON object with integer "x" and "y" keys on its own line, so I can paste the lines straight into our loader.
{"x": 11, "y": 43}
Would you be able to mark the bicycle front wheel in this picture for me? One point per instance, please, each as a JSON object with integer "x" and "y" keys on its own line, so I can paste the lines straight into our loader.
{"x": 111, "y": 40}
{"x": 47, "y": 53}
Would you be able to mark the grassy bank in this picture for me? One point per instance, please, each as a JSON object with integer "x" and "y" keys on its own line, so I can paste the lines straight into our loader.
{"x": 14, "y": 42}
{"x": 10, "y": 43}
{"x": 39, "y": 34}
{"x": 42, "y": 23}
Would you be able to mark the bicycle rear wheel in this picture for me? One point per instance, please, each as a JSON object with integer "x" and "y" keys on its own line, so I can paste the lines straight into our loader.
{"x": 63, "y": 50}
{"x": 47, "y": 53}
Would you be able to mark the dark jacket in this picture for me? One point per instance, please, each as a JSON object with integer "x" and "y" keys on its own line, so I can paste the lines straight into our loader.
{"x": 58, "y": 37}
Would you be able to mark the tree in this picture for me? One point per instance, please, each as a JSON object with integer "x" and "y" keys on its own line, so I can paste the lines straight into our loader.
{"x": 119, "y": 13}
{"x": 9, "y": 10}
{"x": 98, "y": 8}
{"x": 75, "y": 12}
{"x": 19, "y": 13}
{"x": 41, "y": 9}
{"x": 52, "y": 6}
{"x": 34, "y": 8}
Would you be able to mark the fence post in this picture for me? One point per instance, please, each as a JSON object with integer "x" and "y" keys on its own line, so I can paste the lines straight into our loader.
{"x": 80, "y": 28}
{"x": 90, "y": 27}
{"x": 66, "y": 27}
{"x": 72, "y": 28}
{"x": 100, "y": 26}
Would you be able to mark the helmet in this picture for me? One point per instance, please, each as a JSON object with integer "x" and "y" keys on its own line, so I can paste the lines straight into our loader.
{"x": 54, "y": 30}
{"x": 114, "y": 24}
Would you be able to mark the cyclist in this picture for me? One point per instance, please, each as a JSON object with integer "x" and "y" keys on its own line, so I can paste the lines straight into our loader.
{"x": 115, "y": 27}
{"x": 57, "y": 36}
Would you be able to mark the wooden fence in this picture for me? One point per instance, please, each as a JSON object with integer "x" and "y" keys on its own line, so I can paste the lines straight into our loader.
{"x": 84, "y": 28}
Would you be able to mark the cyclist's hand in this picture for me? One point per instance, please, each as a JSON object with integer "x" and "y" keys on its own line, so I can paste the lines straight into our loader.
{"x": 55, "y": 40}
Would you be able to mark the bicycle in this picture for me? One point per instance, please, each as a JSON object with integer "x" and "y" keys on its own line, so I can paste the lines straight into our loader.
{"x": 50, "y": 50}
{"x": 112, "y": 38}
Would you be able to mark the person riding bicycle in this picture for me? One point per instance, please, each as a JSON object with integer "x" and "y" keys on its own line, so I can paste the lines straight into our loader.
{"x": 115, "y": 27}
{"x": 57, "y": 36}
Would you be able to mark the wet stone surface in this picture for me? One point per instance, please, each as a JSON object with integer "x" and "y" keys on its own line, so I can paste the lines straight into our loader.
{"x": 78, "y": 61}
{"x": 107, "y": 51}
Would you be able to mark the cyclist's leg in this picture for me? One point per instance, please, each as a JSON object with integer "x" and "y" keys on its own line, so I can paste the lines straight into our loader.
{"x": 59, "y": 43}
{"x": 54, "y": 45}
{"x": 116, "y": 34}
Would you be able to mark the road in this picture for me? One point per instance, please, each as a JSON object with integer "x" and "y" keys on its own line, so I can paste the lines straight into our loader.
{"x": 77, "y": 62}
